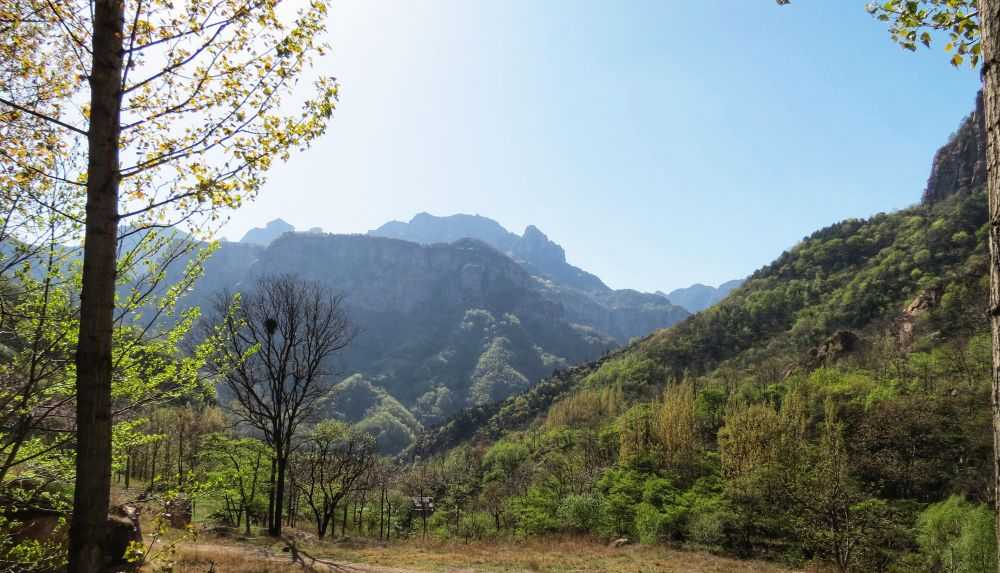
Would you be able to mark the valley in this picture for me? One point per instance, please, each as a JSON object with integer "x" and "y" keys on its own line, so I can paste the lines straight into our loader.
{"x": 395, "y": 369}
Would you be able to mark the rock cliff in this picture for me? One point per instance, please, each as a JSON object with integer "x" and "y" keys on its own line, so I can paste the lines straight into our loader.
{"x": 960, "y": 165}
{"x": 622, "y": 314}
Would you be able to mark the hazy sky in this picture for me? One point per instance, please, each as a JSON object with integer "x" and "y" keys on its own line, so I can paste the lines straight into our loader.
{"x": 661, "y": 143}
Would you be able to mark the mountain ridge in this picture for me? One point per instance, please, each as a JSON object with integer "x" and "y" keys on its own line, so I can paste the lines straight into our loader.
{"x": 907, "y": 278}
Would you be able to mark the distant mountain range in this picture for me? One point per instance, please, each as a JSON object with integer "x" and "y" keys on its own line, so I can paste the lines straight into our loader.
{"x": 536, "y": 253}
{"x": 454, "y": 312}
{"x": 698, "y": 297}
{"x": 622, "y": 314}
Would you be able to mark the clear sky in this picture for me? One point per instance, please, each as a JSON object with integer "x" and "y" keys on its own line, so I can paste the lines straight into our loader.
{"x": 661, "y": 143}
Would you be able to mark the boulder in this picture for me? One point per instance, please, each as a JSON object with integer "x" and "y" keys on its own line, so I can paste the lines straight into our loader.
{"x": 837, "y": 346}
{"x": 620, "y": 542}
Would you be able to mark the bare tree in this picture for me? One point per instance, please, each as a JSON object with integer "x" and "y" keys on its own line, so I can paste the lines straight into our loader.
{"x": 272, "y": 354}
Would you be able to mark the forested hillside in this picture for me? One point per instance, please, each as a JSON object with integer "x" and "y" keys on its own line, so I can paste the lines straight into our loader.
{"x": 835, "y": 406}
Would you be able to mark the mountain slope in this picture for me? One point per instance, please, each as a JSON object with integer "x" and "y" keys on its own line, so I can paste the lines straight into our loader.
{"x": 540, "y": 256}
{"x": 905, "y": 280}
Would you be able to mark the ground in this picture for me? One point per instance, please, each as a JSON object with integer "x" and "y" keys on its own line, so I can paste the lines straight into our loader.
{"x": 551, "y": 555}
{"x": 208, "y": 550}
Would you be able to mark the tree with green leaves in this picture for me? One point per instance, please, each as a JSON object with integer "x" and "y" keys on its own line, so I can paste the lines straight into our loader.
{"x": 156, "y": 112}
{"x": 333, "y": 460}
{"x": 237, "y": 470}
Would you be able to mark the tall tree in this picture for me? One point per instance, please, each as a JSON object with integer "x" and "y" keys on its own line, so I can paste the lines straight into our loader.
{"x": 164, "y": 111}
{"x": 273, "y": 353}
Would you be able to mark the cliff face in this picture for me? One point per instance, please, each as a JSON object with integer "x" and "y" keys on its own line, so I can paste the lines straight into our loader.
{"x": 390, "y": 275}
{"x": 533, "y": 249}
{"x": 622, "y": 314}
{"x": 960, "y": 165}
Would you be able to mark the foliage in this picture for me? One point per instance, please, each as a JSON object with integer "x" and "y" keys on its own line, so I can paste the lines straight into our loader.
{"x": 913, "y": 23}
{"x": 957, "y": 536}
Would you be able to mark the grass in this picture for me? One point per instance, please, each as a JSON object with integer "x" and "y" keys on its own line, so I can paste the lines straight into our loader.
{"x": 551, "y": 555}
{"x": 548, "y": 555}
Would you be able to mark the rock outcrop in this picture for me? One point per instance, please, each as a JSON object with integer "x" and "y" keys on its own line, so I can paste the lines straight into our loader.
{"x": 960, "y": 165}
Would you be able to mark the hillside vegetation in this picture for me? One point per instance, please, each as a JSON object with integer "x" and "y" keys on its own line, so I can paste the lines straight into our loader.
{"x": 834, "y": 407}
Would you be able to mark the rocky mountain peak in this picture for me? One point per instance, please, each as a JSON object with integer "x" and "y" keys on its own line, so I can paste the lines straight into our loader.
{"x": 960, "y": 165}
{"x": 536, "y": 248}
{"x": 271, "y": 231}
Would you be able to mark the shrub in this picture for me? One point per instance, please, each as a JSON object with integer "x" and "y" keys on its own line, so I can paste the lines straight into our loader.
{"x": 956, "y": 536}
{"x": 536, "y": 511}
{"x": 582, "y": 513}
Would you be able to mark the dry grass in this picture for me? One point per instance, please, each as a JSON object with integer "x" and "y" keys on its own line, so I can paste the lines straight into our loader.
{"x": 223, "y": 559}
{"x": 564, "y": 555}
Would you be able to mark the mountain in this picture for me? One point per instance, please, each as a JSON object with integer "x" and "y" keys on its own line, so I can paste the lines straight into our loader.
{"x": 912, "y": 281}
{"x": 621, "y": 314}
{"x": 698, "y": 297}
{"x": 442, "y": 327}
{"x": 270, "y": 232}
{"x": 533, "y": 249}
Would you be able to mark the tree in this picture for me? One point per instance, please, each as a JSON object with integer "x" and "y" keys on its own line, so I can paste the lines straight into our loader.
{"x": 675, "y": 429}
{"x": 183, "y": 116}
{"x": 332, "y": 461}
{"x": 238, "y": 471}
{"x": 273, "y": 350}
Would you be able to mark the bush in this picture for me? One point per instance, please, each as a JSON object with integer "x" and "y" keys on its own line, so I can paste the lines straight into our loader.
{"x": 536, "y": 512}
{"x": 956, "y": 536}
{"x": 474, "y": 525}
{"x": 582, "y": 513}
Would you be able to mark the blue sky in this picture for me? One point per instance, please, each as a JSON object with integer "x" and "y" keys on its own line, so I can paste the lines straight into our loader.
{"x": 661, "y": 143}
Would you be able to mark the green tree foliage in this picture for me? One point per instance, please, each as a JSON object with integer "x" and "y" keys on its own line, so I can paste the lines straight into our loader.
{"x": 958, "y": 536}
{"x": 237, "y": 471}
{"x": 912, "y": 24}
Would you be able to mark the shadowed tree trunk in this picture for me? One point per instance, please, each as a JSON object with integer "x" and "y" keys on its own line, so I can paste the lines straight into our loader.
{"x": 97, "y": 298}
{"x": 989, "y": 18}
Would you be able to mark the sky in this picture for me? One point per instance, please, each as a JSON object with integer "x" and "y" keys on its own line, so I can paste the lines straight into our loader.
{"x": 661, "y": 143}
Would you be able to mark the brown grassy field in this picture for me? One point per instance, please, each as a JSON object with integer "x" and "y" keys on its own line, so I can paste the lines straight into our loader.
{"x": 560, "y": 555}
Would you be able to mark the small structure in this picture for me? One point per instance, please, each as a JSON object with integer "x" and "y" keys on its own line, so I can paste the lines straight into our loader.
{"x": 423, "y": 505}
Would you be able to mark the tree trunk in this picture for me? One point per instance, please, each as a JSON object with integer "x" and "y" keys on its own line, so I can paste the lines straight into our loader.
{"x": 279, "y": 497}
{"x": 989, "y": 18}
{"x": 270, "y": 496}
{"x": 97, "y": 297}
{"x": 343, "y": 523}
